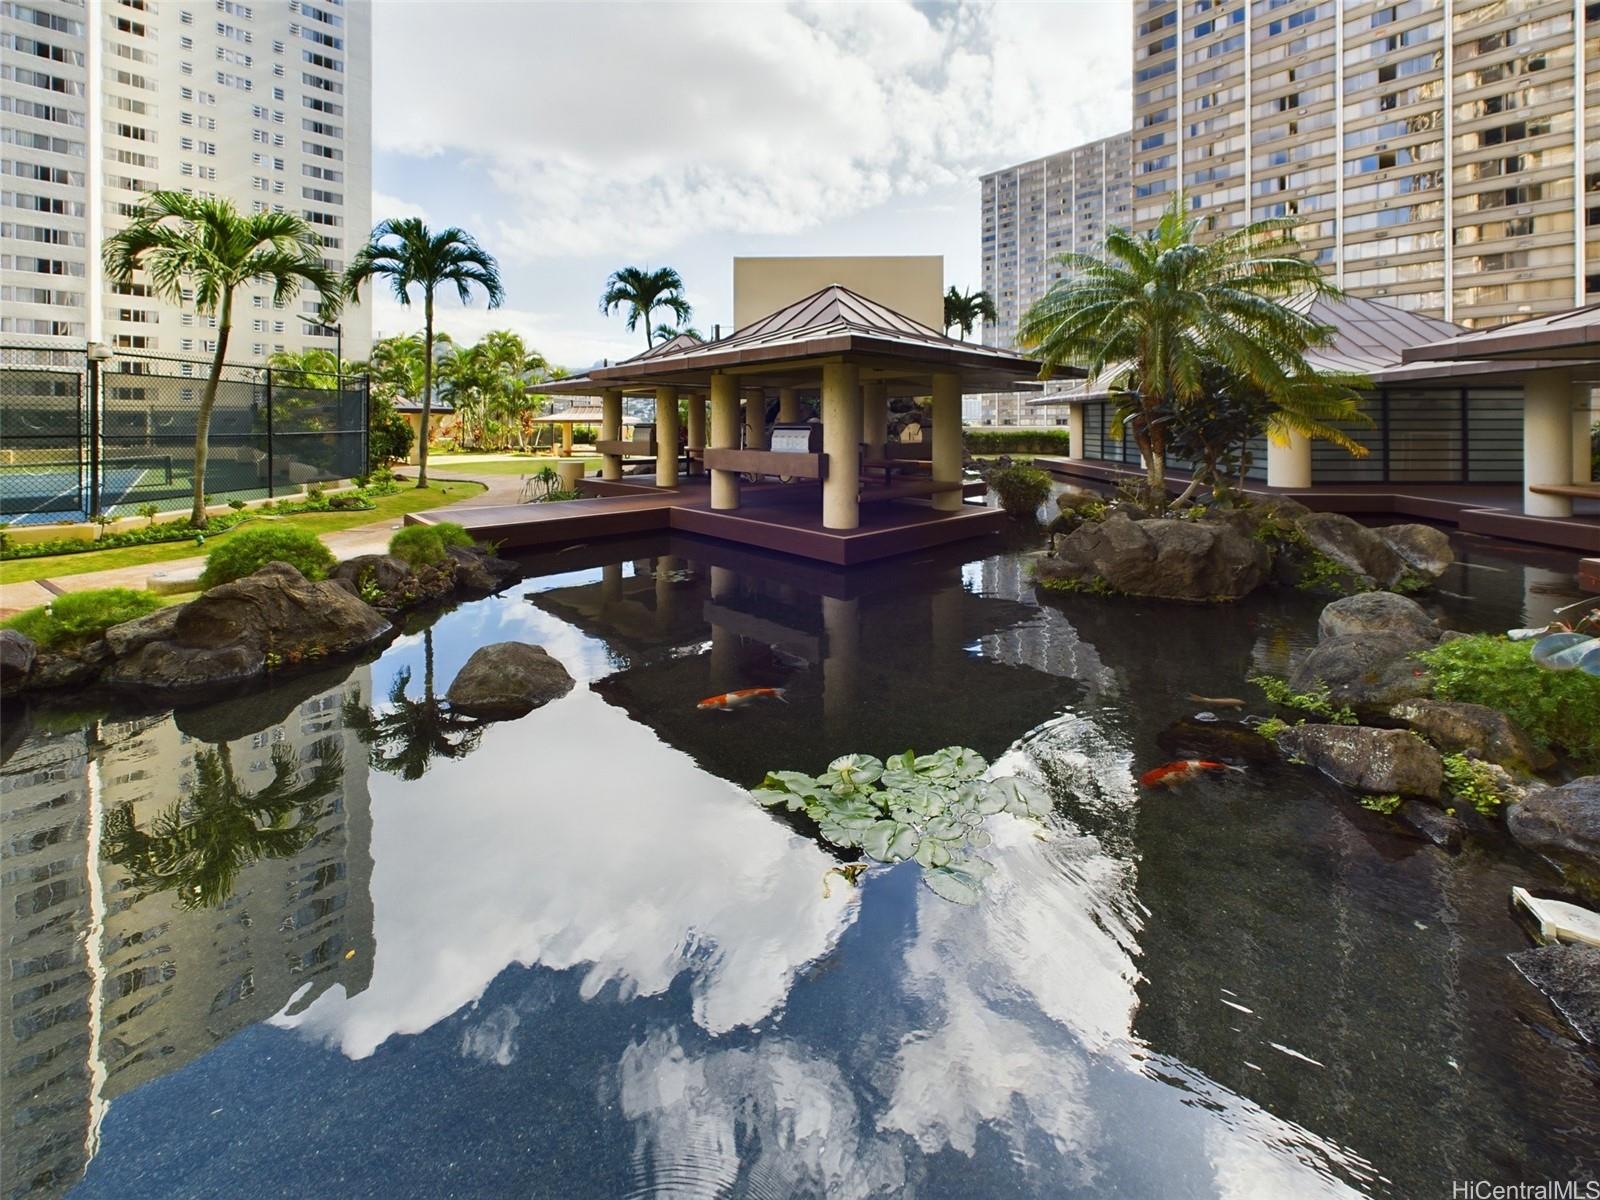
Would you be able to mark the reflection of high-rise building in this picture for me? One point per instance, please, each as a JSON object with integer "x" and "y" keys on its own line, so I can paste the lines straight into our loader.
{"x": 108, "y": 987}
{"x": 1033, "y": 213}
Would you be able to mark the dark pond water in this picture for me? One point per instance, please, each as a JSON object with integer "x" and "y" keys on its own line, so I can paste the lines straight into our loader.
{"x": 250, "y": 954}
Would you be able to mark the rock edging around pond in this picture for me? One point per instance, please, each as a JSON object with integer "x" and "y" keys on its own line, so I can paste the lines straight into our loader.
{"x": 1219, "y": 554}
{"x": 238, "y": 632}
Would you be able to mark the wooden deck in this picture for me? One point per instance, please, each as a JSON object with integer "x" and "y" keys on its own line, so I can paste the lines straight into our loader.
{"x": 778, "y": 517}
{"x": 1493, "y": 510}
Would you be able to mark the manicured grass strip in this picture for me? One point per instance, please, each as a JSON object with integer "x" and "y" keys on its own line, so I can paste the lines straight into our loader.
{"x": 407, "y": 500}
{"x": 444, "y": 467}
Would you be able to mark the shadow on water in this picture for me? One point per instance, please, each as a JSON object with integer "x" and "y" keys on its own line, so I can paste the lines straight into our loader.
{"x": 328, "y": 939}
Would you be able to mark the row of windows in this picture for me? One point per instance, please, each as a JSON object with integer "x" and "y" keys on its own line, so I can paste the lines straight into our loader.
{"x": 52, "y": 113}
{"x": 41, "y": 233}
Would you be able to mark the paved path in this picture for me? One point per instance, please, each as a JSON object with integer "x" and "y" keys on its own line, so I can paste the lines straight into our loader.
{"x": 345, "y": 543}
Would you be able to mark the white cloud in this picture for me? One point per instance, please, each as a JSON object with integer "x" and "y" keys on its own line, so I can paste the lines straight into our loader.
{"x": 385, "y": 206}
{"x": 628, "y": 128}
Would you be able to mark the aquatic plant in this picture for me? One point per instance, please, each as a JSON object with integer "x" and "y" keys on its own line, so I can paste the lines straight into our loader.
{"x": 1386, "y": 804}
{"x": 1317, "y": 702}
{"x": 1560, "y": 708}
{"x": 1474, "y": 781}
{"x": 927, "y": 807}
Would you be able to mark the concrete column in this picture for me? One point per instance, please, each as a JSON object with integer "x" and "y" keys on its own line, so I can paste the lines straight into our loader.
{"x": 566, "y": 437}
{"x": 788, "y": 405}
{"x": 875, "y": 416}
{"x": 666, "y": 437}
{"x": 947, "y": 437}
{"x": 724, "y": 436}
{"x": 611, "y": 431}
{"x": 1585, "y": 412}
{"x": 1289, "y": 464}
{"x": 755, "y": 420}
{"x": 697, "y": 424}
{"x": 1076, "y": 424}
{"x": 841, "y": 442}
{"x": 841, "y": 622}
{"x": 1546, "y": 441}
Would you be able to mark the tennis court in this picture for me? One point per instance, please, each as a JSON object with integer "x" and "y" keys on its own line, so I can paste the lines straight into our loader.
{"x": 38, "y": 493}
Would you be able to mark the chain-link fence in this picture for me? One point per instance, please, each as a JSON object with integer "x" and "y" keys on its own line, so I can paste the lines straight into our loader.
{"x": 80, "y": 437}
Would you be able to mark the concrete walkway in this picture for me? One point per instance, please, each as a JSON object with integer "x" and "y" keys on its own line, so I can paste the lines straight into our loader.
{"x": 344, "y": 543}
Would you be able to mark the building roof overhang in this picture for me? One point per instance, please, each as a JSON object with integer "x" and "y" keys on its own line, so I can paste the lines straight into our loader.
{"x": 1556, "y": 340}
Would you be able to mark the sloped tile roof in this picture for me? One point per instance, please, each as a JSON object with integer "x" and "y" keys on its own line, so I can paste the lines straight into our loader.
{"x": 1573, "y": 334}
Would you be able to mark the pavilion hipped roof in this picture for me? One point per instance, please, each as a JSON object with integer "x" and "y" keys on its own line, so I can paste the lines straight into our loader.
{"x": 785, "y": 347}
{"x": 1573, "y": 335}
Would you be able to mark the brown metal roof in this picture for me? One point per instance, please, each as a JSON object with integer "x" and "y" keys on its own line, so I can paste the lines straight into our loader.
{"x": 1570, "y": 335}
{"x": 834, "y": 321}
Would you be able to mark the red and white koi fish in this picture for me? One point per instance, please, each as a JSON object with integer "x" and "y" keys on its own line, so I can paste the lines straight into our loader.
{"x": 729, "y": 701}
{"x": 1181, "y": 772}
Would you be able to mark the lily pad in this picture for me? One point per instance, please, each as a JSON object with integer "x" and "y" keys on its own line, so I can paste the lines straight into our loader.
{"x": 954, "y": 884}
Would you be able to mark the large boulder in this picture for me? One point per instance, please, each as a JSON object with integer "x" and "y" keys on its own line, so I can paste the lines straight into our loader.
{"x": 237, "y": 631}
{"x": 382, "y": 572}
{"x": 122, "y": 640}
{"x": 1424, "y": 549}
{"x": 1363, "y": 670}
{"x": 1164, "y": 558}
{"x": 17, "y": 655}
{"x": 507, "y": 679}
{"x": 1378, "y": 612}
{"x": 480, "y": 571}
{"x": 1569, "y": 977}
{"x": 1380, "y": 761}
{"x": 1475, "y": 729}
{"x": 1562, "y": 823}
{"x": 1354, "y": 547}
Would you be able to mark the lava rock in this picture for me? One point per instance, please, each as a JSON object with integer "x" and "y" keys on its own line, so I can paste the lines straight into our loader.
{"x": 1423, "y": 548}
{"x": 124, "y": 639}
{"x": 1378, "y": 612}
{"x": 227, "y": 634}
{"x": 17, "y": 656}
{"x": 384, "y": 572}
{"x": 1433, "y": 823}
{"x": 507, "y": 679}
{"x": 480, "y": 571}
{"x": 1477, "y": 729}
{"x": 1561, "y": 822}
{"x": 1232, "y": 741}
{"x": 1163, "y": 558}
{"x": 1569, "y": 977}
{"x": 1381, "y": 761}
{"x": 1364, "y": 670}
{"x": 1353, "y": 546}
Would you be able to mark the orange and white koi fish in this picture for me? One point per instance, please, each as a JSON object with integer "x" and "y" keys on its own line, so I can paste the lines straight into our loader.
{"x": 1181, "y": 772}
{"x": 729, "y": 701}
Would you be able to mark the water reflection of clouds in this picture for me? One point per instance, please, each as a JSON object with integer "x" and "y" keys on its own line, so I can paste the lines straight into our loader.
{"x": 575, "y": 836}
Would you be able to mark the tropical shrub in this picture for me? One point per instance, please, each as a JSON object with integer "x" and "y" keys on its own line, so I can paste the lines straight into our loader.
{"x": 1560, "y": 708}
{"x": 929, "y": 807}
{"x": 78, "y": 617}
{"x": 418, "y": 545}
{"x": 1021, "y": 490}
{"x": 1017, "y": 441}
{"x": 452, "y": 535}
{"x": 248, "y": 552}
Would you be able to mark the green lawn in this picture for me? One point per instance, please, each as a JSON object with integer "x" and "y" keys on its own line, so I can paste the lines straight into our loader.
{"x": 444, "y": 467}
{"x": 409, "y": 499}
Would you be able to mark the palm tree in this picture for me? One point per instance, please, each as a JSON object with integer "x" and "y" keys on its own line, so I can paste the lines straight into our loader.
{"x": 406, "y": 252}
{"x": 313, "y": 368}
{"x": 1161, "y": 310}
{"x": 665, "y": 332}
{"x": 409, "y": 734}
{"x": 198, "y": 846}
{"x": 964, "y": 309}
{"x": 176, "y": 238}
{"x": 641, "y": 293}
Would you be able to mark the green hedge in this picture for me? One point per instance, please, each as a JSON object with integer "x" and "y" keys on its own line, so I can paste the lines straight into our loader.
{"x": 1017, "y": 441}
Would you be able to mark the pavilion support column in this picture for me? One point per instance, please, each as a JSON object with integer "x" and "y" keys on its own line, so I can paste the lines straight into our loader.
{"x": 947, "y": 437}
{"x": 611, "y": 431}
{"x": 697, "y": 426}
{"x": 1546, "y": 441}
{"x": 841, "y": 442}
{"x": 1289, "y": 463}
{"x": 666, "y": 437}
{"x": 566, "y": 439}
{"x": 788, "y": 405}
{"x": 755, "y": 420}
{"x": 1077, "y": 438}
{"x": 724, "y": 436}
{"x": 610, "y": 584}
{"x": 875, "y": 416}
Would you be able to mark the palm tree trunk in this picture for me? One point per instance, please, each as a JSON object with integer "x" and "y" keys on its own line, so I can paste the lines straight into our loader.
{"x": 1155, "y": 452}
{"x": 427, "y": 389}
{"x": 208, "y": 401}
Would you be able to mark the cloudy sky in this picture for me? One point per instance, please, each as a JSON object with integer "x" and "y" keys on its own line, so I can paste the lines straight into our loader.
{"x": 575, "y": 138}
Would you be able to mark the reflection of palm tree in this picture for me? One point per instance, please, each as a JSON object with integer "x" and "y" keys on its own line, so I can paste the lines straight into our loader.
{"x": 410, "y": 734}
{"x": 199, "y": 845}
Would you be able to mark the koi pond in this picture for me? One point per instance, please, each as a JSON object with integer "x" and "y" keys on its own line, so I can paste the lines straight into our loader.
{"x": 327, "y": 940}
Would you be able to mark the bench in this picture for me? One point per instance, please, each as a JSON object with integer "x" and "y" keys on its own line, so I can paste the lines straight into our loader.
{"x": 1580, "y": 491}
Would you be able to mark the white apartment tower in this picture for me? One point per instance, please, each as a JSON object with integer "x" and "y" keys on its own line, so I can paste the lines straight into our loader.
{"x": 101, "y": 101}
{"x": 1033, "y": 213}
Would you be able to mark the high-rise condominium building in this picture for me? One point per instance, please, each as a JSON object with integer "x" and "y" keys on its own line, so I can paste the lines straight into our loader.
{"x": 1033, "y": 213}
{"x": 1440, "y": 155}
{"x": 101, "y": 102}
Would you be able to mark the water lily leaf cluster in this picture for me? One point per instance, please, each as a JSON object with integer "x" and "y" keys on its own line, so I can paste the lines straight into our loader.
{"x": 927, "y": 807}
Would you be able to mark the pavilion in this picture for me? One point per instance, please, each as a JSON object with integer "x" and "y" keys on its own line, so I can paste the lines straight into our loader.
{"x": 840, "y": 492}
